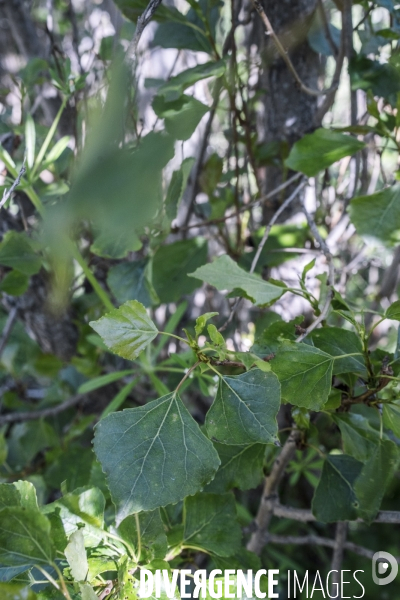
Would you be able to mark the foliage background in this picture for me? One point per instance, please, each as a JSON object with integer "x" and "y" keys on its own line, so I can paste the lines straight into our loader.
{"x": 197, "y": 146}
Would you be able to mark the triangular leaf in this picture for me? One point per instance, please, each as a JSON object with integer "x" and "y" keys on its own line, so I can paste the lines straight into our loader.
{"x": 24, "y": 537}
{"x": 126, "y": 330}
{"x": 153, "y": 455}
{"x": 241, "y": 467}
{"x": 245, "y": 409}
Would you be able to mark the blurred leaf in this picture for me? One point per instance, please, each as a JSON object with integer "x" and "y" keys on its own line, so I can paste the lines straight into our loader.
{"x": 174, "y": 87}
{"x": 245, "y": 409}
{"x": 103, "y": 380}
{"x": 318, "y": 150}
{"x": 202, "y": 320}
{"x": 305, "y": 374}
{"x": 177, "y": 187}
{"x": 224, "y": 274}
{"x": 16, "y": 591}
{"x": 378, "y": 216}
{"x": 154, "y": 472}
{"x": 30, "y": 141}
{"x": 211, "y": 525}
{"x": 173, "y": 263}
{"x": 393, "y": 312}
{"x": 75, "y": 554}
{"x": 391, "y": 417}
{"x": 334, "y": 498}
{"x": 16, "y": 252}
{"x": 14, "y": 283}
{"x": 126, "y": 330}
{"x": 129, "y": 281}
{"x": 181, "y": 116}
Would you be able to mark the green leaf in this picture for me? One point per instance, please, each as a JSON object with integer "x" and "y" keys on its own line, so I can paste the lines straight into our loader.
{"x": 216, "y": 337}
{"x": 202, "y": 320}
{"x": 371, "y": 485}
{"x": 27, "y": 493}
{"x": 14, "y": 283}
{"x": 176, "y": 188}
{"x": 75, "y": 554}
{"x": 129, "y": 281}
{"x": 224, "y": 274}
{"x": 334, "y": 498}
{"x": 337, "y": 341}
{"x": 103, "y": 380}
{"x": 16, "y": 252}
{"x": 393, "y": 312}
{"x": 305, "y": 374}
{"x": 167, "y": 459}
{"x": 359, "y": 438}
{"x": 241, "y": 467}
{"x": 126, "y": 330}
{"x": 58, "y": 149}
{"x": 210, "y": 524}
{"x": 181, "y": 116}
{"x": 24, "y": 537}
{"x": 9, "y": 495}
{"x": 378, "y": 216}
{"x": 270, "y": 340}
{"x": 175, "y": 87}
{"x": 172, "y": 264}
{"x": 318, "y": 150}
{"x": 16, "y": 591}
{"x": 391, "y": 417}
{"x": 245, "y": 409}
{"x": 153, "y": 540}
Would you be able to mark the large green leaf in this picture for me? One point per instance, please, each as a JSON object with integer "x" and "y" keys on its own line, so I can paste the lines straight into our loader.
{"x": 171, "y": 265}
{"x": 271, "y": 338}
{"x": 181, "y": 116}
{"x": 126, "y": 330}
{"x": 241, "y": 467}
{"x": 370, "y": 487}
{"x": 16, "y": 252}
{"x": 378, "y": 216}
{"x": 334, "y": 498}
{"x": 175, "y": 87}
{"x": 150, "y": 528}
{"x": 337, "y": 342}
{"x": 210, "y": 524}
{"x": 24, "y": 537}
{"x": 305, "y": 374}
{"x": 224, "y": 274}
{"x": 153, "y": 455}
{"x": 245, "y": 409}
{"x": 318, "y": 150}
{"x": 359, "y": 438}
{"x": 129, "y": 281}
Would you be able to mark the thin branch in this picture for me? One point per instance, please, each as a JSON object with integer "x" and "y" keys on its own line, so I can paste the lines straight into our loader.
{"x": 142, "y": 21}
{"x": 7, "y": 194}
{"x": 243, "y": 208}
{"x": 285, "y": 56}
{"x": 12, "y": 315}
{"x": 337, "y": 556}
{"x": 41, "y": 414}
{"x": 331, "y": 276}
{"x": 305, "y": 516}
{"x": 270, "y": 495}
{"x": 316, "y": 540}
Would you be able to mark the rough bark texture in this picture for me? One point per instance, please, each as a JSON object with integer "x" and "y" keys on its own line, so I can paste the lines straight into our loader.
{"x": 288, "y": 112}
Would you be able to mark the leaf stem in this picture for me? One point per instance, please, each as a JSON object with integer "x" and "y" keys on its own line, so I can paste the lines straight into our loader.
{"x": 189, "y": 371}
{"x": 139, "y": 537}
{"x": 177, "y": 337}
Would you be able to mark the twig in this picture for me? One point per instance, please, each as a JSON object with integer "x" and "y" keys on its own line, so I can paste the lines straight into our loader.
{"x": 41, "y": 414}
{"x": 317, "y": 540}
{"x": 270, "y": 496}
{"x": 244, "y": 208}
{"x": 337, "y": 556}
{"x": 261, "y": 245}
{"x": 331, "y": 276}
{"x": 12, "y": 315}
{"x": 7, "y": 194}
{"x": 305, "y": 516}
{"x": 285, "y": 56}
{"x": 142, "y": 21}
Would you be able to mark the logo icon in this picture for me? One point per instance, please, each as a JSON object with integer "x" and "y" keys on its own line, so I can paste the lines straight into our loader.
{"x": 380, "y": 566}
